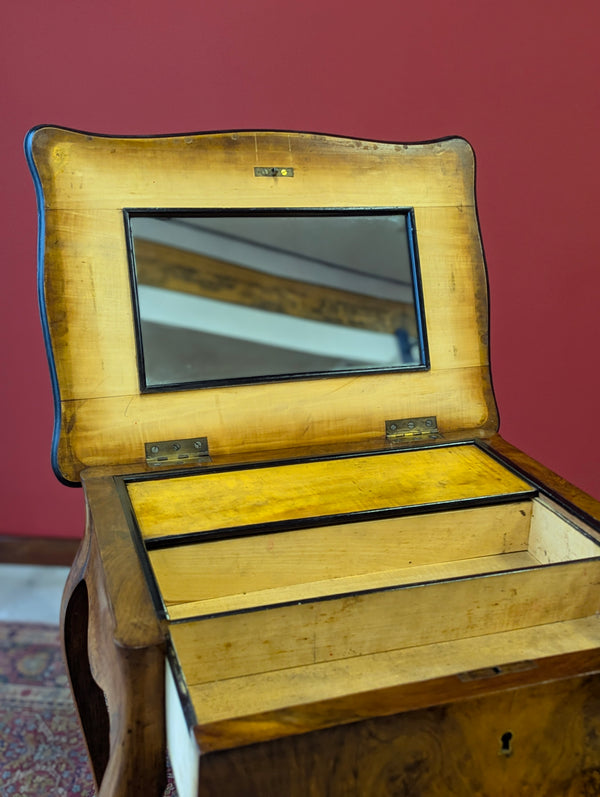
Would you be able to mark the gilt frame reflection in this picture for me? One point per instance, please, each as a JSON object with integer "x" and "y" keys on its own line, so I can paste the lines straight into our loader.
{"x": 374, "y": 325}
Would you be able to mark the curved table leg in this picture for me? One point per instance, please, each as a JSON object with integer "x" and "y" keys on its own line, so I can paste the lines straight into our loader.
{"x": 118, "y": 691}
{"x": 89, "y": 698}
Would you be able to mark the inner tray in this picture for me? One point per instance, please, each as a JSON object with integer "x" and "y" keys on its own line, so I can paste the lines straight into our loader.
{"x": 222, "y": 502}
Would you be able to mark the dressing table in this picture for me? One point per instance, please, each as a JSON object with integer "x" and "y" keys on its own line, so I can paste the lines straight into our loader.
{"x": 311, "y": 566}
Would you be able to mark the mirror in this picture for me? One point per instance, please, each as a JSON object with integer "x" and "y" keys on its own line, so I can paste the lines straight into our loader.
{"x": 250, "y": 295}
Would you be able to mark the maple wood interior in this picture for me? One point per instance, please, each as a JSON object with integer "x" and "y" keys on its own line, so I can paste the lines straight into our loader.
{"x": 280, "y": 629}
{"x": 249, "y": 572}
{"x": 255, "y": 603}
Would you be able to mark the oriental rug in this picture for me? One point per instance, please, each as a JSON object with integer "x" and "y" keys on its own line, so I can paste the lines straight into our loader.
{"x": 42, "y": 752}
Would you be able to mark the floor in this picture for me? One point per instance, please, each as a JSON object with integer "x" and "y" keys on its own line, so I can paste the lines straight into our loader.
{"x": 31, "y": 593}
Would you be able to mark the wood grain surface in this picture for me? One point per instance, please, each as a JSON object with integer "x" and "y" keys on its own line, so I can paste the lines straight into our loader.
{"x": 347, "y": 554}
{"x": 214, "y": 500}
{"x": 532, "y": 741}
{"x": 290, "y": 635}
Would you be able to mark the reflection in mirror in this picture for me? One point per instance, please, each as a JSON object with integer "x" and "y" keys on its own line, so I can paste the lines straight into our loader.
{"x": 253, "y": 296}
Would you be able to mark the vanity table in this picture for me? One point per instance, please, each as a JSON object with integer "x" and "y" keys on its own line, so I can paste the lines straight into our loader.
{"x": 311, "y": 566}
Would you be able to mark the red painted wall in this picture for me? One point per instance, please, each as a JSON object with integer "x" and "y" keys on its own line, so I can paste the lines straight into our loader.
{"x": 519, "y": 80}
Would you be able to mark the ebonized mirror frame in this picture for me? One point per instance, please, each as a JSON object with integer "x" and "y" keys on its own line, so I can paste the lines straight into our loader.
{"x": 168, "y": 262}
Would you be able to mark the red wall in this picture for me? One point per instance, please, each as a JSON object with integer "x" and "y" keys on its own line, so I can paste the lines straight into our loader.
{"x": 518, "y": 79}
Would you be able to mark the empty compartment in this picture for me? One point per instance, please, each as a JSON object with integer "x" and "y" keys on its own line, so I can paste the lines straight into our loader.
{"x": 270, "y": 617}
{"x": 259, "y": 673}
{"x": 387, "y": 609}
{"x": 239, "y": 573}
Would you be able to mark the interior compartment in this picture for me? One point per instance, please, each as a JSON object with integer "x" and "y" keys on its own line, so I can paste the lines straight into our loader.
{"x": 386, "y": 609}
{"x": 533, "y": 595}
{"x": 439, "y": 619}
{"x": 242, "y": 573}
{"x": 275, "y": 618}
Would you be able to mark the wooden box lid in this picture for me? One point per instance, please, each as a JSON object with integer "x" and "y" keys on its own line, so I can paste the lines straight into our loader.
{"x": 87, "y": 183}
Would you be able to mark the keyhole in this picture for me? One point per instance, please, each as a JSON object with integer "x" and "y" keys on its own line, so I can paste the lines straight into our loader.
{"x": 505, "y": 741}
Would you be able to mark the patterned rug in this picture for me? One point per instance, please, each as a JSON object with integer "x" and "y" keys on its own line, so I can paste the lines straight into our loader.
{"x": 41, "y": 746}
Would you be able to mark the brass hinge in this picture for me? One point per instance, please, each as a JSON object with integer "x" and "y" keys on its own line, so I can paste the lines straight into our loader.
{"x": 172, "y": 452}
{"x": 412, "y": 428}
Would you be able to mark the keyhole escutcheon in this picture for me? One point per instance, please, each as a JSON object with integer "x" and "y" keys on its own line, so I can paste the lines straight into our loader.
{"x": 506, "y": 744}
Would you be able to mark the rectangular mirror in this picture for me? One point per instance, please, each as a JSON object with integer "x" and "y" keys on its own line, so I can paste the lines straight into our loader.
{"x": 241, "y": 296}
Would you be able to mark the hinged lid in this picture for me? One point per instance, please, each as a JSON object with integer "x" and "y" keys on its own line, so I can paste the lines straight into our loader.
{"x": 374, "y": 353}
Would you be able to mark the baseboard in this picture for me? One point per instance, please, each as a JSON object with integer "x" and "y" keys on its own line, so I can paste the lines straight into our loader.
{"x": 38, "y": 550}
